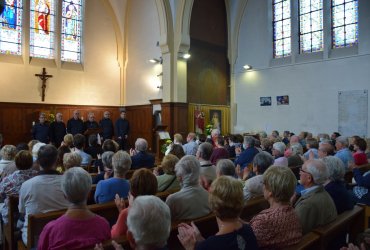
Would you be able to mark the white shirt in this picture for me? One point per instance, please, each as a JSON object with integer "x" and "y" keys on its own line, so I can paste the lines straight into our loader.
{"x": 40, "y": 194}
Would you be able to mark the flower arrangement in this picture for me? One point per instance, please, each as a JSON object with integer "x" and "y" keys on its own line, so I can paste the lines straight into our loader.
{"x": 51, "y": 117}
{"x": 209, "y": 128}
{"x": 165, "y": 146}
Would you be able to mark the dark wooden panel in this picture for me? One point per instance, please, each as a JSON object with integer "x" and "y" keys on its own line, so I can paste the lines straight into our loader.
{"x": 16, "y": 119}
{"x": 141, "y": 123}
{"x": 175, "y": 116}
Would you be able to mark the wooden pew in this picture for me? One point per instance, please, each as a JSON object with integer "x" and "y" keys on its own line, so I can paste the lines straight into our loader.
{"x": 253, "y": 207}
{"x": 90, "y": 197}
{"x": 309, "y": 241}
{"x": 163, "y": 195}
{"x": 333, "y": 234}
{"x": 36, "y": 222}
{"x": 207, "y": 226}
{"x": 9, "y": 228}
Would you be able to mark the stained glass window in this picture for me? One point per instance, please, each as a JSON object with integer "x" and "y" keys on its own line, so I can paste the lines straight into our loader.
{"x": 71, "y": 30}
{"x": 11, "y": 28}
{"x": 282, "y": 28}
{"x": 311, "y": 25}
{"x": 42, "y": 28}
{"x": 344, "y": 23}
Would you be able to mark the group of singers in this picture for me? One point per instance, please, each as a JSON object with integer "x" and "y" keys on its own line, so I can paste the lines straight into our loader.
{"x": 56, "y": 130}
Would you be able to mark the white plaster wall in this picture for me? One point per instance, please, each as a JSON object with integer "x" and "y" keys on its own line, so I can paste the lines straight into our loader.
{"x": 97, "y": 84}
{"x": 312, "y": 86}
{"x": 143, "y": 34}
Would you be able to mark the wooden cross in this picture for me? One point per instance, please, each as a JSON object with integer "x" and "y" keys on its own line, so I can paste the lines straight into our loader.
{"x": 43, "y": 77}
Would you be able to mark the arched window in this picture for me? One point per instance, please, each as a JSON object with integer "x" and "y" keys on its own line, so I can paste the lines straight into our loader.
{"x": 11, "y": 28}
{"x": 344, "y": 23}
{"x": 282, "y": 28}
{"x": 71, "y": 30}
{"x": 45, "y": 37}
{"x": 310, "y": 26}
{"x": 42, "y": 28}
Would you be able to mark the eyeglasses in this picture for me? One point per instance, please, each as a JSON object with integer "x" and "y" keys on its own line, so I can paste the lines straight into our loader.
{"x": 304, "y": 171}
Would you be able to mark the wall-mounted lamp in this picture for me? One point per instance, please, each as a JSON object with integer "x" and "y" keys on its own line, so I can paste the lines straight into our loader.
{"x": 247, "y": 67}
{"x": 155, "y": 60}
{"x": 184, "y": 55}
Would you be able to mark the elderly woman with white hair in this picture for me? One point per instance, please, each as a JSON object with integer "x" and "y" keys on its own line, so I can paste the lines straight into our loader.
{"x": 107, "y": 189}
{"x": 278, "y": 149}
{"x": 78, "y": 228}
{"x": 8, "y": 153}
{"x": 192, "y": 200}
{"x": 295, "y": 156}
{"x": 335, "y": 184}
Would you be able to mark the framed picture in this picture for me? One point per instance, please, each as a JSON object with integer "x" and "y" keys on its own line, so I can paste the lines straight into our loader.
{"x": 265, "y": 101}
{"x": 215, "y": 118}
{"x": 282, "y": 100}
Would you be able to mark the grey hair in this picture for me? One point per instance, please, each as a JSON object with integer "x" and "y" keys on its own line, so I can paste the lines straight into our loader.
{"x": 318, "y": 170}
{"x": 189, "y": 169}
{"x": 8, "y": 152}
{"x": 297, "y": 149}
{"x": 205, "y": 149}
{"x": 36, "y": 148}
{"x": 335, "y": 167}
{"x": 343, "y": 140}
{"x": 149, "y": 221}
{"x": 141, "y": 144}
{"x": 106, "y": 159}
{"x": 262, "y": 134}
{"x": 225, "y": 167}
{"x": 249, "y": 141}
{"x": 215, "y": 131}
{"x": 76, "y": 185}
{"x": 262, "y": 161}
{"x": 71, "y": 160}
{"x": 121, "y": 162}
{"x": 279, "y": 146}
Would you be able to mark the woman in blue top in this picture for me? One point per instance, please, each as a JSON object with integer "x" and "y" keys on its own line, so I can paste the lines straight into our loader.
{"x": 107, "y": 189}
{"x": 226, "y": 201}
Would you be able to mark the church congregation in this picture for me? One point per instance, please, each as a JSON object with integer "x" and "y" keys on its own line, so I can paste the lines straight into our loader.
{"x": 184, "y": 124}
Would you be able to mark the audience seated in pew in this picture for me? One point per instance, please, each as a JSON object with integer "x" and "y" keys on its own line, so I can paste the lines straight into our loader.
{"x": 278, "y": 226}
{"x": 8, "y": 153}
{"x": 177, "y": 150}
{"x": 312, "y": 149}
{"x": 343, "y": 153}
{"x": 42, "y": 193}
{"x": 278, "y": 149}
{"x": 94, "y": 149}
{"x": 225, "y": 167}
{"x": 106, "y": 159}
{"x": 359, "y": 156}
{"x": 168, "y": 180}
{"x": 148, "y": 224}
{"x": 207, "y": 169}
{"x": 192, "y": 200}
{"x": 243, "y": 158}
{"x": 336, "y": 186}
{"x": 107, "y": 189}
{"x": 226, "y": 201}
{"x": 139, "y": 156}
{"x": 295, "y": 156}
{"x": 191, "y": 147}
{"x": 79, "y": 227}
{"x": 79, "y": 143}
{"x": 143, "y": 182}
{"x": 361, "y": 190}
{"x": 314, "y": 207}
{"x": 63, "y": 149}
{"x": 71, "y": 160}
{"x": 219, "y": 151}
{"x": 12, "y": 183}
{"x": 253, "y": 186}
{"x": 108, "y": 145}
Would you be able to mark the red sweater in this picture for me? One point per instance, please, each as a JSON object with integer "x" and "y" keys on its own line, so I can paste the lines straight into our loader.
{"x": 120, "y": 228}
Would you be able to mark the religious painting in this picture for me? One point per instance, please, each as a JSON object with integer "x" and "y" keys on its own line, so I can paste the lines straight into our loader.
{"x": 71, "y": 30}
{"x": 11, "y": 28}
{"x": 265, "y": 101}
{"x": 282, "y": 100}
{"x": 42, "y": 28}
{"x": 199, "y": 120}
{"x": 215, "y": 118}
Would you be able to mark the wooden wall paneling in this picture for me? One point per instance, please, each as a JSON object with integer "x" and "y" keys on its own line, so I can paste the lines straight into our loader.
{"x": 141, "y": 124}
{"x": 175, "y": 116}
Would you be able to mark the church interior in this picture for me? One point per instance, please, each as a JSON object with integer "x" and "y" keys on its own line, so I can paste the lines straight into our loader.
{"x": 222, "y": 59}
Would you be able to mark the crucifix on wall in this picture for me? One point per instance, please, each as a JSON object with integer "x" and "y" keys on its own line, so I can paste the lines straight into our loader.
{"x": 44, "y": 77}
